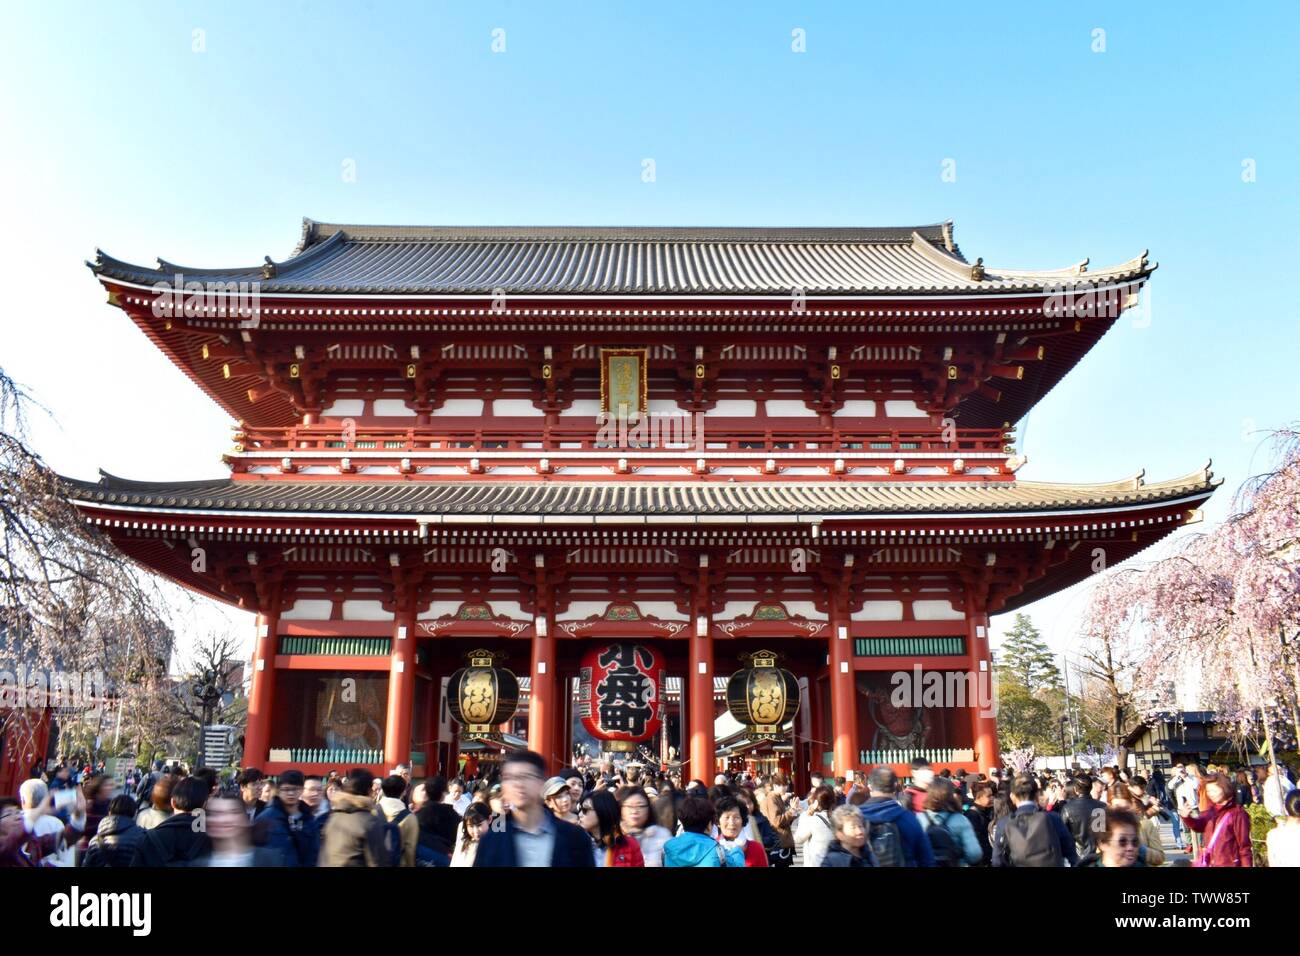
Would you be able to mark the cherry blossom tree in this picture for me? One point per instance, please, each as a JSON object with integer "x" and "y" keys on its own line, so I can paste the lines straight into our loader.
{"x": 1224, "y": 606}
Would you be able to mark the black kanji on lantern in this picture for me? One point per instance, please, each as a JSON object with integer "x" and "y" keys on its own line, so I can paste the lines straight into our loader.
{"x": 624, "y": 695}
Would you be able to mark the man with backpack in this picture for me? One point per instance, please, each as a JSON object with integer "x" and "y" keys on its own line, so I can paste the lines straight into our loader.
{"x": 1031, "y": 837}
{"x": 402, "y": 829}
{"x": 356, "y": 834}
{"x": 895, "y": 834}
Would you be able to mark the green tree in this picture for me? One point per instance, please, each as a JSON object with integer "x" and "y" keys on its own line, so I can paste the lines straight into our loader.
{"x": 1024, "y": 659}
{"x": 1023, "y": 719}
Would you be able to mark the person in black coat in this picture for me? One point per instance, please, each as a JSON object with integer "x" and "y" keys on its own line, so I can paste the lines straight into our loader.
{"x": 980, "y": 816}
{"x": 179, "y": 840}
{"x": 529, "y": 834}
{"x": 117, "y": 838}
{"x": 1084, "y": 817}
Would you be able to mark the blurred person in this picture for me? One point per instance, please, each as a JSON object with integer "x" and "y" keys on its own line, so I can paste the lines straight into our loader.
{"x": 355, "y": 835}
{"x": 160, "y": 803}
{"x": 229, "y": 833}
{"x": 1283, "y": 841}
{"x": 638, "y": 823}
{"x": 532, "y": 835}
{"x": 51, "y": 840}
{"x": 914, "y": 794}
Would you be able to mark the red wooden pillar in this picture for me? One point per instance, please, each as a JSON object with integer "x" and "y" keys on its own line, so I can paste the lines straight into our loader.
{"x": 543, "y": 706}
{"x": 564, "y": 717}
{"x": 844, "y": 689}
{"x": 702, "y": 764}
{"x": 257, "y": 733}
{"x": 984, "y": 726}
{"x": 401, "y": 689}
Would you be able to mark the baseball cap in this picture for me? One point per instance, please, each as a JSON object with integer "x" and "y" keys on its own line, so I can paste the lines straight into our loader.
{"x": 553, "y": 786}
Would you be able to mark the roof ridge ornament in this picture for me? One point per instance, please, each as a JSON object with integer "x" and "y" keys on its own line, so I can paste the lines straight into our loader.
{"x": 268, "y": 270}
{"x": 977, "y": 270}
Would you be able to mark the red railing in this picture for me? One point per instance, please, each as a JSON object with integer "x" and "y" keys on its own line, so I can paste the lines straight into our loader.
{"x": 587, "y": 437}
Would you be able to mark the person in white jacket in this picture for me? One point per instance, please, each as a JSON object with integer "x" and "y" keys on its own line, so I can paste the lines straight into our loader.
{"x": 813, "y": 828}
{"x": 57, "y": 839}
{"x": 1274, "y": 789}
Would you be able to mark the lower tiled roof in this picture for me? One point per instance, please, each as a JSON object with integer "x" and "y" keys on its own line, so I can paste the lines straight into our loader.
{"x": 663, "y": 500}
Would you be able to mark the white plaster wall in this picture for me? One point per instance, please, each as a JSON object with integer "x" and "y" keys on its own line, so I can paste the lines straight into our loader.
{"x": 879, "y": 611}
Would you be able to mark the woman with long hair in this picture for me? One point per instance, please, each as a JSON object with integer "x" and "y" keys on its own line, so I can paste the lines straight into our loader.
{"x": 473, "y": 826}
{"x": 610, "y": 846}
{"x": 815, "y": 832}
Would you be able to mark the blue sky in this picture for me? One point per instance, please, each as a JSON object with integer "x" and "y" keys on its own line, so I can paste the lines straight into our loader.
{"x": 127, "y": 129}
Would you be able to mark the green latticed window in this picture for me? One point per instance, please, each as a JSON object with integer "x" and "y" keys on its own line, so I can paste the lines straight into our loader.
{"x": 909, "y": 646}
{"x": 337, "y": 646}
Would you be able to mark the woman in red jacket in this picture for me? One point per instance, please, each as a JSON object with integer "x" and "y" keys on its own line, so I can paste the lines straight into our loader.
{"x": 600, "y": 816}
{"x": 736, "y": 846}
{"x": 1224, "y": 827}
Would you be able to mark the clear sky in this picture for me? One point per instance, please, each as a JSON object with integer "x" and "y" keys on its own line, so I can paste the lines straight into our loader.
{"x": 203, "y": 133}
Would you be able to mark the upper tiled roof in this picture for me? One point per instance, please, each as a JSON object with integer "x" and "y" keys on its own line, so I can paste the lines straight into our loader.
{"x": 564, "y": 501}
{"x": 615, "y": 260}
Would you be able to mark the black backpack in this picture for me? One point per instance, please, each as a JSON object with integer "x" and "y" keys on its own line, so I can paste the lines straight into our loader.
{"x": 887, "y": 844}
{"x": 1032, "y": 840}
{"x": 946, "y": 852}
{"x": 393, "y": 837}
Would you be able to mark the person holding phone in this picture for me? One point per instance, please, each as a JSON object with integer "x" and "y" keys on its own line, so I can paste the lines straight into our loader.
{"x": 56, "y": 839}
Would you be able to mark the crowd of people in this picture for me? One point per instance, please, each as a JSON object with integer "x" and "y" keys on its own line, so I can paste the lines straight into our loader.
{"x": 599, "y": 814}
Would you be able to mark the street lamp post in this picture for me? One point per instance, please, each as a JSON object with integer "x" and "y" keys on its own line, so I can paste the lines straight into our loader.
{"x": 1065, "y": 754}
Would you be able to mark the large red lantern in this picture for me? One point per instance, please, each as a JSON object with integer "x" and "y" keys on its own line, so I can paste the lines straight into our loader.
{"x": 620, "y": 698}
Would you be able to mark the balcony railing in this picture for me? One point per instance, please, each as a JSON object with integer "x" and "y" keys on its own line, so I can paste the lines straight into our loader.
{"x": 670, "y": 436}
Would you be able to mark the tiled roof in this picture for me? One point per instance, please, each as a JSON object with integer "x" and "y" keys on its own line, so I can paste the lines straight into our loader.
{"x": 616, "y": 260}
{"x": 566, "y": 502}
